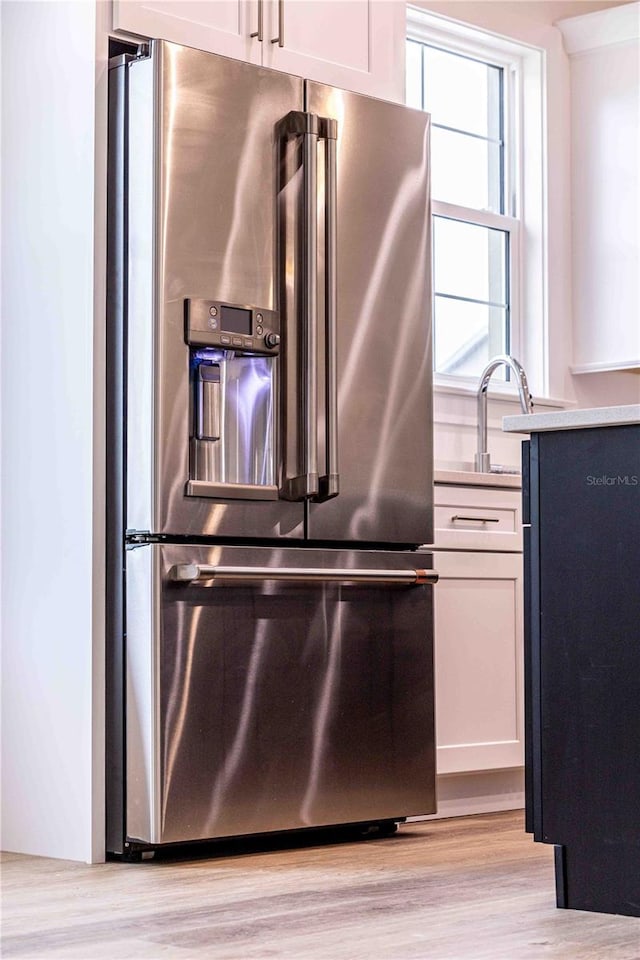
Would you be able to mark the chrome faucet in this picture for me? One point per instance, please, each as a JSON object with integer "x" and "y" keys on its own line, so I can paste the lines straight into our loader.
{"x": 482, "y": 459}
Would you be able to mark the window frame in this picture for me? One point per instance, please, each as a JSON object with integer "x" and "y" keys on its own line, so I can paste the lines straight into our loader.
{"x": 511, "y": 227}
{"x": 524, "y": 185}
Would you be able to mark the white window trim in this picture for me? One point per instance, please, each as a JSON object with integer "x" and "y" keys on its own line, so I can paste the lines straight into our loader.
{"x": 525, "y": 99}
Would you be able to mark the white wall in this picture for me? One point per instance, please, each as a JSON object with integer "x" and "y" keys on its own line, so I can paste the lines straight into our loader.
{"x": 533, "y": 23}
{"x": 51, "y": 747}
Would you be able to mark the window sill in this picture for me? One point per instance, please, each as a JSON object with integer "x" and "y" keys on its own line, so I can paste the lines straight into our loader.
{"x": 468, "y": 387}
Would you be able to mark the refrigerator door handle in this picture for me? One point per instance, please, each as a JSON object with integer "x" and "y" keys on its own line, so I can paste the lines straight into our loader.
{"x": 306, "y": 125}
{"x": 329, "y": 483}
{"x": 191, "y": 572}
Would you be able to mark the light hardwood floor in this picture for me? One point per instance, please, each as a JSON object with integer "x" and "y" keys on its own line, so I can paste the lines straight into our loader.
{"x": 474, "y": 888}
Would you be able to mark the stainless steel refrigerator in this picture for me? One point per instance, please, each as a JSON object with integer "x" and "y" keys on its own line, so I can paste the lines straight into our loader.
{"x": 270, "y": 454}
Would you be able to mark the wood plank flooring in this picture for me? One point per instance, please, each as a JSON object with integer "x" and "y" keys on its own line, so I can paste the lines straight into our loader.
{"x": 474, "y": 888}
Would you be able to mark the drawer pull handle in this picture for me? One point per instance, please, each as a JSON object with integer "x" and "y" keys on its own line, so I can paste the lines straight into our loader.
{"x": 475, "y": 519}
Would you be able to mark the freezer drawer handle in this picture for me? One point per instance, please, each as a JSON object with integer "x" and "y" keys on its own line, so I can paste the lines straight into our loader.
{"x": 189, "y": 572}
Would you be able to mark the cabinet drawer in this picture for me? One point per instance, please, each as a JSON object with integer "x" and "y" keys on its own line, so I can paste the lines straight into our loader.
{"x": 477, "y": 518}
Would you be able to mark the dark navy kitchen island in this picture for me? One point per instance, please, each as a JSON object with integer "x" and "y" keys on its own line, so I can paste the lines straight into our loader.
{"x": 581, "y": 489}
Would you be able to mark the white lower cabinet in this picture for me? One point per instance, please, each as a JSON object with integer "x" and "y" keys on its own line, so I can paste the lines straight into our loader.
{"x": 479, "y": 661}
{"x": 354, "y": 44}
{"x": 478, "y": 629}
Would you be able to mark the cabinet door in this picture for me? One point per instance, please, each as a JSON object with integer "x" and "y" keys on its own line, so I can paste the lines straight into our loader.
{"x": 224, "y": 26}
{"x": 358, "y": 45}
{"x": 478, "y": 661}
{"x": 355, "y": 44}
{"x": 604, "y": 50}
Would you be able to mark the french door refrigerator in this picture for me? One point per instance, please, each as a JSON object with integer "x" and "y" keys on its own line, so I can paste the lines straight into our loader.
{"x": 270, "y": 454}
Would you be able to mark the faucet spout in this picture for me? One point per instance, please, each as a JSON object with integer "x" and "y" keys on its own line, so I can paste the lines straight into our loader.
{"x": 482, "y": 458}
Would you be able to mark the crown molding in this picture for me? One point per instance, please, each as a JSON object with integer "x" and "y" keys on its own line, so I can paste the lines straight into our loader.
{"x": 600, "y": 28}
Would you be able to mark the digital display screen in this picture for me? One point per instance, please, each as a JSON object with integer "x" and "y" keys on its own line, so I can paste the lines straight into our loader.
{"x": 235, "y": 320}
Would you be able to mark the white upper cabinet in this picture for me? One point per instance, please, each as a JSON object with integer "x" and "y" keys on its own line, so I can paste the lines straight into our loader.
{"x": 604, "y": 49}
{"x": 355, "y": 44}
{"x": 222, "y": 26}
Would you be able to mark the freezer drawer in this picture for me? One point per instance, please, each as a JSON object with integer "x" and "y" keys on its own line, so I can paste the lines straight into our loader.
{"x": 263, "y": 705}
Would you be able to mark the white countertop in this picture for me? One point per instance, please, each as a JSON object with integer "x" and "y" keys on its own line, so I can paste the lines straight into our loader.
{"x": 469, "y": 478}
{"x": 572, "y": 419}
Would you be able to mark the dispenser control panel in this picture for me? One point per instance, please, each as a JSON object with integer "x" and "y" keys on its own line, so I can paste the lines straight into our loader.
{"x": 232, "y": 326}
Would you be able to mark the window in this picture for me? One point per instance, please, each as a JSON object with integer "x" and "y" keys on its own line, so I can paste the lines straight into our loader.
{"x": 473, "y": 86}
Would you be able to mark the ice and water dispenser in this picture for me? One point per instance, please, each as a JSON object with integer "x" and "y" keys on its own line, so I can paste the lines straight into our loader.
{"x": 233, "y": 352}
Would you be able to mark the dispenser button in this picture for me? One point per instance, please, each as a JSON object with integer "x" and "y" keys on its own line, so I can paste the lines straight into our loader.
{"x": 213, "y": 311}
{"x": 259, "y": 330}
{"x": 237, "y": 341}
{"x": 224, "y": 338}
{"x": 247, "y": 342}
